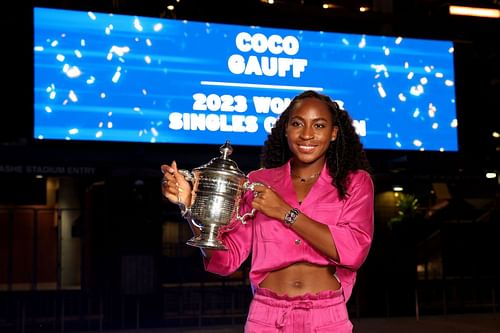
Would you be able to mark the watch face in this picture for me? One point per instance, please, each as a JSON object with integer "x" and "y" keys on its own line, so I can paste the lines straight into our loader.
{"x": 291, "y": 216}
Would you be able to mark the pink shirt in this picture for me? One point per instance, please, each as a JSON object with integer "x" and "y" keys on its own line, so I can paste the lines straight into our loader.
{"x": 273, "y": 245}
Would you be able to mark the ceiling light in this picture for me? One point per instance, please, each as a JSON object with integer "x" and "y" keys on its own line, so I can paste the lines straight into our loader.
{"x": 331, "y": 6}
{"x": 474, "y": 11}
{"x": 491, "y": 175}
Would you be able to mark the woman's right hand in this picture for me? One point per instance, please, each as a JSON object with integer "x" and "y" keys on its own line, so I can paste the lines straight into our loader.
{"x": 178, "y": 191}
{"x": 174, "y": 186}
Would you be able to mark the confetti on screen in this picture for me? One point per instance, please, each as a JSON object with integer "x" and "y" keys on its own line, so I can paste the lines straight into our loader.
{"x": 105, "y": 77}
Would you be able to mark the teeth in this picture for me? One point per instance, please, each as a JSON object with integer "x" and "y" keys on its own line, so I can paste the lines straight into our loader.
{"x": 306, "y": 147}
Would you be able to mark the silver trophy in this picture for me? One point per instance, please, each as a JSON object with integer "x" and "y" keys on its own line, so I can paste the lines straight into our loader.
{"x": 217, "y": 188}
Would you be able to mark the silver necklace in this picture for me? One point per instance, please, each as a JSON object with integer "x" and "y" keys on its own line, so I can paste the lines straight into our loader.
{"x": 305, "y": 179}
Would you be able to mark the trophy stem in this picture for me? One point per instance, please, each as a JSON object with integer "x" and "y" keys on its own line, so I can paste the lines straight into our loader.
{"x": 208, "y": 238}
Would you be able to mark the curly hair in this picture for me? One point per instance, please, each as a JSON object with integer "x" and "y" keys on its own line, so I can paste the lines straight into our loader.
{"x": 344, "y": 155}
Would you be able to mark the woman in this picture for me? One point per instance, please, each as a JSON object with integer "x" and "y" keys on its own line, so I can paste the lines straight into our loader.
{"x": 313, "y": 225}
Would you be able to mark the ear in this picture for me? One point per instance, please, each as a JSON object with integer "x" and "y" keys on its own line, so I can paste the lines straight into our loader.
{"x": 334, "y": 133}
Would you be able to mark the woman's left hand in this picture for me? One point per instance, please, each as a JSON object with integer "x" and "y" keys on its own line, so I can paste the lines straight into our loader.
{"x": 267, "y": 201}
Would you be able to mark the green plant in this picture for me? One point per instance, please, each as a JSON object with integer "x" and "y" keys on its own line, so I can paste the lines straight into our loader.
{"x": 408, "y": 206}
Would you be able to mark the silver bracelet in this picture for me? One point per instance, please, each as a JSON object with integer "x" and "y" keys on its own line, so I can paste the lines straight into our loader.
{"x": 185, "y": 212}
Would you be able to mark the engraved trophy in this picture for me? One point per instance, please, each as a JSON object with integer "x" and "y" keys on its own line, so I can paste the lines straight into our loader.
{"x": 217, "y": 188}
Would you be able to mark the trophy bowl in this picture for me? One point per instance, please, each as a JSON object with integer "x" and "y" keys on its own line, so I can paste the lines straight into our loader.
{"x": 217, "y": 188}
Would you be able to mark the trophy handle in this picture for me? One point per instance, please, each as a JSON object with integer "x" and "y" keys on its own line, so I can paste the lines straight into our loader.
{"x": 247, "y": 186}
{"x": 187, "y": 174}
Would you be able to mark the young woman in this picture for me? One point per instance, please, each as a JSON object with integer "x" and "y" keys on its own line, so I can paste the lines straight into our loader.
{"x": 313, "y": 225}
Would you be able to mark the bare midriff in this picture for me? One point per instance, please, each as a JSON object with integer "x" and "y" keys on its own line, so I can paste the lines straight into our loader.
{"x": 301, "y": 278}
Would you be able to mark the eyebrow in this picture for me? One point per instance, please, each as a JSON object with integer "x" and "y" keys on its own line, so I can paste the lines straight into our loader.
{"x": 314, "y": 120}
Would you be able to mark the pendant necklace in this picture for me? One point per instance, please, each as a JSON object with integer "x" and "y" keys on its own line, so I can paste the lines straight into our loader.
{"x": 303, "y": 180}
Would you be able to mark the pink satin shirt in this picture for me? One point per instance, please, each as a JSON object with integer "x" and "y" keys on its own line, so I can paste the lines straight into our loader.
{"x": 273, "y": 245}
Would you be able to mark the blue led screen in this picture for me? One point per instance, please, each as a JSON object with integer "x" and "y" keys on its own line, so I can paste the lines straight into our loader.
{"x": 108, "y": 77}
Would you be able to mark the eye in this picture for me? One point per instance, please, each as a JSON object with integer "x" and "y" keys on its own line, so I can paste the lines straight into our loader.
{"x": 295, "y": 123}
{"x": 319, "y": 125}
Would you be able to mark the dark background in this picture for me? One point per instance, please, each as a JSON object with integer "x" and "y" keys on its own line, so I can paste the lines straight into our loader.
{"x": 127, "y": 214}
{"x": 476, "y": 50}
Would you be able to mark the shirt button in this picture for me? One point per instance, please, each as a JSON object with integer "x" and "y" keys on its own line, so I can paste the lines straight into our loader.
{"x": 297, "y": 242}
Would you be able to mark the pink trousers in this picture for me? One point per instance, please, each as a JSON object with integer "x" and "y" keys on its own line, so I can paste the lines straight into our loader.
{"x": 315, "y": 313}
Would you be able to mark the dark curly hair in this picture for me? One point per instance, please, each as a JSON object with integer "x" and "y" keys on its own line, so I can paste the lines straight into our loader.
{"x": 345, "y": 154}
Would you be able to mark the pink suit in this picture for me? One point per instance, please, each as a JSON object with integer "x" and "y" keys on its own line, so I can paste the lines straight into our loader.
{"x": 273, "y": 245}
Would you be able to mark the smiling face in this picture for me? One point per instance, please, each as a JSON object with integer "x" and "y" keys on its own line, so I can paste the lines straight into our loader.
{"x": 309, "y": 131}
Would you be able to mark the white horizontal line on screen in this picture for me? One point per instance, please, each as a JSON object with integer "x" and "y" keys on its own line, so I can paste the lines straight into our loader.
{"x": 254, "y": 85}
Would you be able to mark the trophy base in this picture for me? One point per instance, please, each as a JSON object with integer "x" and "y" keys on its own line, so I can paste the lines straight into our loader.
{"x": 204, "y": 243}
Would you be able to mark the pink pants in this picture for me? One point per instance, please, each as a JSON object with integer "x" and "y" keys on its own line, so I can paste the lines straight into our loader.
{"x": 322, "y": 312}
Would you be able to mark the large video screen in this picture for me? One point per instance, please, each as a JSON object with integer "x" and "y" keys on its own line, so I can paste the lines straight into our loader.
{"x": 108, "y": 77}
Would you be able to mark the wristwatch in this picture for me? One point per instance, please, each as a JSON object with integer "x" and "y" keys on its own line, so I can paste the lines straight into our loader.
{"x": 291, "y": 216}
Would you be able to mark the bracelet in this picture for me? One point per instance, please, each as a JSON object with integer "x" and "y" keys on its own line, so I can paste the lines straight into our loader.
{"x": 291, "y": 216}
{"x": 185, "y": 212}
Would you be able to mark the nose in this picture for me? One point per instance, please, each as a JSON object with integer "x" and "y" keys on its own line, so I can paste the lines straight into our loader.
{"x": 307, "y": 133}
